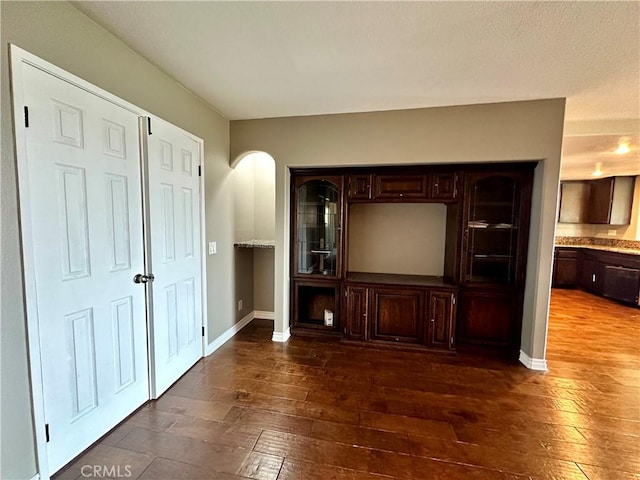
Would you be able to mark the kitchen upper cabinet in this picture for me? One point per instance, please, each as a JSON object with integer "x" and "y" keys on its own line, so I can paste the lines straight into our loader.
{"x": 610, "y": 200}
{"x": 574, "y": 198}
{"x": 397, "y": 315}
{"x": 606, "y": 201}
{"x": 399, "y": 187}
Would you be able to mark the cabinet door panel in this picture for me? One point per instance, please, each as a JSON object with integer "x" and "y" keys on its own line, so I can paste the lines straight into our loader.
{"x": 316, "y": 226}
{"x": 400, "y": 187}
{"x": 488, "y": 317}
{"x": 444, "y": 186}
{"x": 441, "y": 315}
{"x": 397, "y": 315}
{"x": 359, "y": 187}
{"x": 356, "y": 313}
{"x": 600, "y": 198}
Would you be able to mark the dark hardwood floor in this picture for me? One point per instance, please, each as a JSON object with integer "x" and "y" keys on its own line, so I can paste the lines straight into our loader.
{"x": 313, "y": 409}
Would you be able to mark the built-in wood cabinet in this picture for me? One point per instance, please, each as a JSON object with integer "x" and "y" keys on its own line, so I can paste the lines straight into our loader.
{"x": 355, "y": 312}
{"x": 360, "y": 186}
{"x": 393, "y": 187}
{"x": 489, "y": 316}
{"x": 401, "y": 310}
{"x": 496, "y": 210}
{"x": 403, "y": 186}
{"x": 396, "y": 314}
{"x": 478, "y": 298}
{"x": 444, "y": 186}
{"x": 441, "y": 320}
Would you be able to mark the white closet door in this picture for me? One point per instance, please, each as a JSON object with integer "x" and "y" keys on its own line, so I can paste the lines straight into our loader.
{"x": 85, "y": 212}
{"x": 173, "y": 159}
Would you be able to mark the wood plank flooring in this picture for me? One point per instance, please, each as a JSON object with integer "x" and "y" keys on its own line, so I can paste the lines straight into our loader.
{"x": 317, "y": 409}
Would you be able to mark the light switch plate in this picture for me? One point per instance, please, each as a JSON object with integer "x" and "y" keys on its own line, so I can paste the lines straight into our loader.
{"x": 213, "y": 248}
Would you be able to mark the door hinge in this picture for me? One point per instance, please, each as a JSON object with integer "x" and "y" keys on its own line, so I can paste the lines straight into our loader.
{"x": 453, "y": 299}
{"x": 26, "y": 116}
{"x": 199, "y": 170}
{"x": 149, "y": 125}
{"x": 46, "y": 431}
{"x": 203, "y": 331}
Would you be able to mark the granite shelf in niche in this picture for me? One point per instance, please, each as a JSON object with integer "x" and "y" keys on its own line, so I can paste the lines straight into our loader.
{"x": 255, "y": 244}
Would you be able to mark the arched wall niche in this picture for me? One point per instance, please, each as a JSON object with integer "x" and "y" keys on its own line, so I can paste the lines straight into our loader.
{"x": 254, "y": 234}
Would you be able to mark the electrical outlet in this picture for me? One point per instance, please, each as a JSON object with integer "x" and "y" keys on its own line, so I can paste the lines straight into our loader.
{"x": 213, "y": 248}
{"x": 612, "y": 233}
{"x": 240, "y": 305}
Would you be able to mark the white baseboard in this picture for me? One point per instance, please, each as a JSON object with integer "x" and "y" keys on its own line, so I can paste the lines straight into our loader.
{"x": 264, "y": 315}
{"x": 539, "y": 364}
{"x": 228, "y": 334}
{"x": 36, "y": 477}
{"x": 280, "y": 336}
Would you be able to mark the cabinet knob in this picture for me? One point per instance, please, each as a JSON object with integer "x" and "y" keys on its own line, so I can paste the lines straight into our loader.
{"x": 432, "y": 320}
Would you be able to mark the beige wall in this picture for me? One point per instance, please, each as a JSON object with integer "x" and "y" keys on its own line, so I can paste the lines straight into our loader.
{"x": 263, "y": 263}
{"x": 529, "y": 130}
{"x": 60, "y": 34}
{"x": 627, "y": 232}
{"x": 375, "y": 229}
{"x": 243, "y": 281}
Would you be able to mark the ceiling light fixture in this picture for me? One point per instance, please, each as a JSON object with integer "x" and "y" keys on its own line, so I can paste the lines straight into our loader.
{"x": 623, "y": 146}
{"x": 598, "y": 171}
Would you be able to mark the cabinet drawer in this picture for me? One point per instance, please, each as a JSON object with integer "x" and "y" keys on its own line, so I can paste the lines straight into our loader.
{"x": 400, "y": 187}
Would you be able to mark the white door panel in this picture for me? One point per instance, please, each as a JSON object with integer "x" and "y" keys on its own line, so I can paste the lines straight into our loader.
{"x": 83, "y": 175}
{"x": 175, "y": 261}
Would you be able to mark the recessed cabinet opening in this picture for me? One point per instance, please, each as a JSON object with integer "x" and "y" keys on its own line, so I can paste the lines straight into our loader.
{"x": 317, "y": 306}
{"x": 401, "y": 238}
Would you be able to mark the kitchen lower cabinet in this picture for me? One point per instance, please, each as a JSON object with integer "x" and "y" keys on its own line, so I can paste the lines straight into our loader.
{"x": 609, "y": 274}
{"x": 565, "y": 268}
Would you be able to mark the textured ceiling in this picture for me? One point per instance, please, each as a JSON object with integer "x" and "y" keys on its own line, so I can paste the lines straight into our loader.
{"x": 273, "y": 59}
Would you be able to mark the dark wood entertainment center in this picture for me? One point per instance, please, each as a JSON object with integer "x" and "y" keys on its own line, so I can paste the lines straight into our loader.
{"x": 477, "y": 301}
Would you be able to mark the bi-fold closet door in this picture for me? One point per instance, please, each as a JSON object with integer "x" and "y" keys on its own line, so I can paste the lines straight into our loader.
{"x": 110, "y": 218}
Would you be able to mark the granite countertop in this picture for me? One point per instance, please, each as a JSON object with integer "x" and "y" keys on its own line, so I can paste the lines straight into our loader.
{"x": 604, "y": 248}
{"x": 256, "y": 244}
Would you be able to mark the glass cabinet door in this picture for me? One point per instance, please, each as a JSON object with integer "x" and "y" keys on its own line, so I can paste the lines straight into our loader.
{"x": 317, "y": 228}
{"x": 493, "y": 220}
